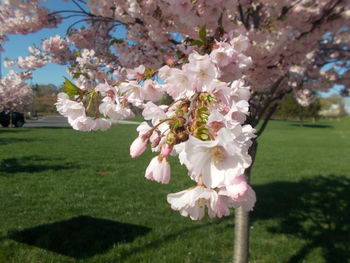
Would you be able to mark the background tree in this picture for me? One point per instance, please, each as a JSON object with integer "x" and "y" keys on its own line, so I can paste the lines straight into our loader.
{"x": 291, "y": 109}
{"x": 44, "y": 98}
{"x": 15, "y": 94}
{"x": 332, "y": 106}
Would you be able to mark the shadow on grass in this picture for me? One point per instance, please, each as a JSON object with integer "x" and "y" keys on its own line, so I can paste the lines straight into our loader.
{"x": 316, "y": 210}
{"x": 31, "y": 164}
{"x": 320, "y": 126}
{"x": 161, "y": 240}
{"x": 80, "y": 237}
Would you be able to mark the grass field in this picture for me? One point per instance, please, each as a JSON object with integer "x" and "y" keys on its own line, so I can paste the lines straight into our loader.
{"x": 67, "y": 196}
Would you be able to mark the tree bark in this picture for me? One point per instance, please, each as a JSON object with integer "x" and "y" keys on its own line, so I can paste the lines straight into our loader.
{"x": 241, "y": 243}
{"x": 241, "y": 236}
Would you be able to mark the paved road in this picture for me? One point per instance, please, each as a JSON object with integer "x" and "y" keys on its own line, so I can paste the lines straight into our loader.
{"x": 50, "y": 121}
{"x": 59, "y": 121}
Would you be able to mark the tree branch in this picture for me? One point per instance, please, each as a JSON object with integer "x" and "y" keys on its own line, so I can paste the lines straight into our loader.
{"x": 241, "y": 14}
{"x": 271, "y": 112}
{"x": 79, "y": 6}
{"x": 270, "y": 99}
{"x": 318, "y": 22}
{"x": 286, "y": 9}
{"x": 266, "y": 120}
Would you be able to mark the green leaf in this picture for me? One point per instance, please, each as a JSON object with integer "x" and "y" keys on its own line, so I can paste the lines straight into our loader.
{"x": 179, "y": 53}
{"x": 203, "y": 34}
{"x": 271, "y": 20}
{"x": 93, "y": 94}
{"x": 116, "y": 41}
{"x": 188, "y": 40}
{"x": 197, "y": 43}
{"x": 70, "y": 88}
{"x": 179, "y": 112}
{"x": 76, "y": 75}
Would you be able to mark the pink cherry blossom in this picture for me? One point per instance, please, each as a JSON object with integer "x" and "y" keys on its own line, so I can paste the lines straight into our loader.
{"x": 192, "y": 203}
{"x": 215, "y": 161}
{"x": 82, "y": 123}
{"x": 246, "y": 200}
{"x": 101, "y": 124}
{"x": 151, "y": 90}
{"x": 237, "y": 188}
{"x": 158, "y": 170}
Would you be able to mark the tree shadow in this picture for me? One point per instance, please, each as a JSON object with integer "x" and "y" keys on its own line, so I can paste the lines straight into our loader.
{"x": 315, "y": 209}
{"x": 161, "y": 240}
{"x": 79, "y": 237}
{"x": 321, "y": 126}
{"x": 31, "y": 164}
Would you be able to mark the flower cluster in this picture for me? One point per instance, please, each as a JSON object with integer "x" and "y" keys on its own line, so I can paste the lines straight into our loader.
{"x": 15, "y": 93}
{"x": 204, "y": 127}
{"x": 23, "y": 17}
{"x": 92, "y": 95}
{"x": 304, "y": 97}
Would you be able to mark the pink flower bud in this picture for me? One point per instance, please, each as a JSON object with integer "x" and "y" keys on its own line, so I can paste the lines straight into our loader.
{"x": 166, "y": 150}
{"x": 138, "y": 146}
{"x": 158, "y": 170}
{"x": 170, "y": 61}
{"x": 155, "y": 142}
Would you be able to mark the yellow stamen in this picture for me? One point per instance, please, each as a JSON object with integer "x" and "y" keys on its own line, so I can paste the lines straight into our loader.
{"x": 218, "y": 154}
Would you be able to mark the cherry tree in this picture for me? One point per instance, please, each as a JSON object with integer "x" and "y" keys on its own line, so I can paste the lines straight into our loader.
{"x": 15, "y": 93}
{"x": 225, "y": 64}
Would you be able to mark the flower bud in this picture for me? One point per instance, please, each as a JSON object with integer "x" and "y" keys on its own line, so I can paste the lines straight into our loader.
{"x": 155, "y": 142}
{"x": 171, "y": 138}
{"x": 170, "y": 61}
{"x": 182, "y": 136}
{"x": 138, "y": 146}
{"x": 204, "y": 97}
{"x": 166, "y": 150}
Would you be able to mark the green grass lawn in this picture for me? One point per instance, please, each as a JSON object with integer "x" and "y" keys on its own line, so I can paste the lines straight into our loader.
{"x": 67, "y": 196}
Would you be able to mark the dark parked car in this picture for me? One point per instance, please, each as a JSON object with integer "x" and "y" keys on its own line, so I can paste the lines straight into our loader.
{"x": 17, "y": 118}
